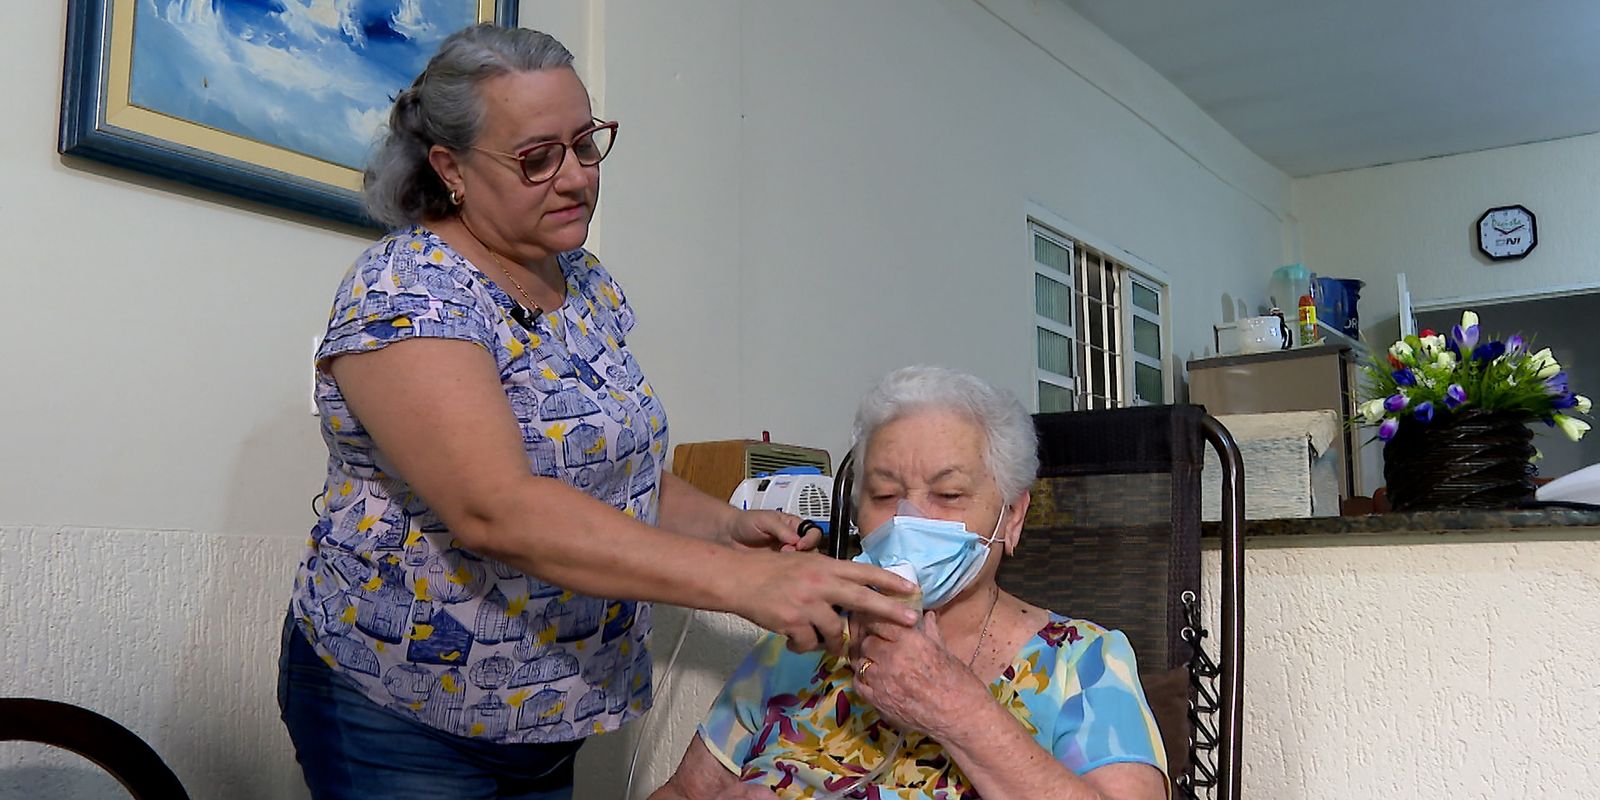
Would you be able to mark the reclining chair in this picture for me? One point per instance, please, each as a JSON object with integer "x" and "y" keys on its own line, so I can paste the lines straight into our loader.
{"x": 1113, "y": 535}
{"x": 114, "y": 748}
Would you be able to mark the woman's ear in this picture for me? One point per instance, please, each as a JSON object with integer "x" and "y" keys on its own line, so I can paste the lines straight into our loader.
{"x": 1012, "y": 529}
{"x": 448, "y": 167}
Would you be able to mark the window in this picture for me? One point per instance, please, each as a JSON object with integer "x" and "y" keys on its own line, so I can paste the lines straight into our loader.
{"x": 1098, "y": 326}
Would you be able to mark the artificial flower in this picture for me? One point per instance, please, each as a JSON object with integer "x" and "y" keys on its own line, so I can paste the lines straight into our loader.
{"x": 1387, "y": 430}
{"x": 1438, "y": 377}
{"x": 1573, "y": 428}
{"x": 1372, "y": 411}
{"x": 1424, "y": 412}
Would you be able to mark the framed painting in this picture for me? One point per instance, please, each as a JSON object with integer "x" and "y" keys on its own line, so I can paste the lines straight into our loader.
{"x": 276, "y": 101}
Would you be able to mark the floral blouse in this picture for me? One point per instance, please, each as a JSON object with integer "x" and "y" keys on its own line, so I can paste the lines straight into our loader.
{"x": 424, "y": 627}
{"x": 793, "y": 722}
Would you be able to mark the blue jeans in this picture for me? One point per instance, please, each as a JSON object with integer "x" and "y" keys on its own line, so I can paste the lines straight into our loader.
{"x": 350, "y": 747}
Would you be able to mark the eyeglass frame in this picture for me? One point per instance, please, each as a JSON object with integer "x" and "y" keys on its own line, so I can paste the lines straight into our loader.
{"x": 521, "y": 156}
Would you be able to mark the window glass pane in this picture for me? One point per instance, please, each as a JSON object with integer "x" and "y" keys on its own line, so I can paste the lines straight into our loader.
{"x": 1091, "y": 276}
{"x": 1096, "y": 318}
{"x": 1146, "y": 337}
{"x": 1052, "y": 299}
{"x": 1147, "y": 383}
{"x": 1052, "y": 255}
{"x": 1094, "y": 368}
{"x": 1055, "y": 353}
{"x": 1054, "y": 398}
{"x": 1146, "y": 298}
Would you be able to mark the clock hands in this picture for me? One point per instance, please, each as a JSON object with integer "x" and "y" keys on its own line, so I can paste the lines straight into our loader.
{"x": 1508, "y": 231}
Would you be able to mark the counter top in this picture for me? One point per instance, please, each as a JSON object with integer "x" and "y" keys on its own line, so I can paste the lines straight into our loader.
{"x": 1418, "y": 527}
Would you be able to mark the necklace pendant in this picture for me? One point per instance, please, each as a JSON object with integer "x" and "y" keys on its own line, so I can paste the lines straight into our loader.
{"x": 524, "y": 317}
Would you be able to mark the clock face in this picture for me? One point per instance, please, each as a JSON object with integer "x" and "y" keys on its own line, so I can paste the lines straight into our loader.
{"x": 1507, "y": 232}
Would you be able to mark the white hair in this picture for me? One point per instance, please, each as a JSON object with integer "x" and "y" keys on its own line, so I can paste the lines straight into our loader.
{"x": 1011, "y": 451}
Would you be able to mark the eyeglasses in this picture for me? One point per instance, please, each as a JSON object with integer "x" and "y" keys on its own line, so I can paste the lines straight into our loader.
{"x": 540, "y": 162}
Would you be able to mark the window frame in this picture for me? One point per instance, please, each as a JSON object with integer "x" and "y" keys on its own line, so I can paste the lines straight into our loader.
{"x": 1129, "y": 270}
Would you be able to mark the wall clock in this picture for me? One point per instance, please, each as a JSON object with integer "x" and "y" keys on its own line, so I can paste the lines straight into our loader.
{"x": 1507, "y": 232}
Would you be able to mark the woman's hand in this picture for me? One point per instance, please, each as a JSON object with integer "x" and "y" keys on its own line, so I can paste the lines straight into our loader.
{"x": 800, "y": 595}
{"x": 911, "y": 677}
{"x": 770, "y": 530}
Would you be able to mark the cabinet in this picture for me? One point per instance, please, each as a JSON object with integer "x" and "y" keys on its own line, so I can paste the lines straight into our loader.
{"x": 1300, "y": 379}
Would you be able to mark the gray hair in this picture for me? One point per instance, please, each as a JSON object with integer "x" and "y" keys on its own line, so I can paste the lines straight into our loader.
{"x": 1012, "y": 447}
{"x": 442, "y": 107}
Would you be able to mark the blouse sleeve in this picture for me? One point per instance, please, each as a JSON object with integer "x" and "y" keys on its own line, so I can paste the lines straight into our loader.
{"x": 738, "y": 715}
{"x": 1105, "y": 718}
{"x": 405, "y": 288}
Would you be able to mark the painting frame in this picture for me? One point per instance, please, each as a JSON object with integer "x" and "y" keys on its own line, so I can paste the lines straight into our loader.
{"x": 100, "y": 124}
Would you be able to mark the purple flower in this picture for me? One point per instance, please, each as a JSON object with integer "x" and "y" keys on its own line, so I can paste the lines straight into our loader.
{"x": 1455, "y": 395}
{"x": 1394, "y": 402}
{"x": 1405, "y": 377}
{"x": 1567, "y": 400}
{"x": 1387, "y": 430}
{"x": 1488, "y": 351}
{"x": 1424, "y": 412}
{"x": 1556, "y": 384}
{"x": 1515, "y": 344}
{"x": 1462, "y": 341}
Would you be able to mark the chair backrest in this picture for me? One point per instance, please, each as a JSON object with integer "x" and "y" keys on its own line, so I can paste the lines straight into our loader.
{"x": 114, "y": 748}
{"x": 1113, "y": 529}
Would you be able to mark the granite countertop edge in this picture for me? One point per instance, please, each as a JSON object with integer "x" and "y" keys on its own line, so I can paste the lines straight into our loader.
{"x": 1524, "y": 524}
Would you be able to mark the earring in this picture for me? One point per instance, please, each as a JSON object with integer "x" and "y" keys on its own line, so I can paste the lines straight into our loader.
{"x": 455, "y": 198}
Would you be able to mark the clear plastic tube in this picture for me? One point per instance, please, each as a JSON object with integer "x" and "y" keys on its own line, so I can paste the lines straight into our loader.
{"x": 892, "y": 753}
{"x": 660, "y": 692}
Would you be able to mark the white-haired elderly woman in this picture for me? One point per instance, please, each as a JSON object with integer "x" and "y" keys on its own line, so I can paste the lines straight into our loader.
{"x": 989, "y": 696}
{"x": 473, "y": 600}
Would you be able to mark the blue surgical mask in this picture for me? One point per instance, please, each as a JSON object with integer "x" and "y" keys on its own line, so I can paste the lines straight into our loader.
{"x": 945, "y": 555}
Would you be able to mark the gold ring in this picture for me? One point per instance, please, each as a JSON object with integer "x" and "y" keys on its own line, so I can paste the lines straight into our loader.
{"x": 866, "y": 664}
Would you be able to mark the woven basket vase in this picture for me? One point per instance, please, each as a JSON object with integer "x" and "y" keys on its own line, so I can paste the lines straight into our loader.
{"x": 1471, "y": 459}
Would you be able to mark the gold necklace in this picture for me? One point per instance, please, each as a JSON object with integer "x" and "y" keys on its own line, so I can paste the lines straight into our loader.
{"x": 535, "y": 307}
{"x": 984, "y": 631}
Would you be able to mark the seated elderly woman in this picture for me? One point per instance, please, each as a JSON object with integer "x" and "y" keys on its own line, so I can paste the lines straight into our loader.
{"x": 988, "y": 696}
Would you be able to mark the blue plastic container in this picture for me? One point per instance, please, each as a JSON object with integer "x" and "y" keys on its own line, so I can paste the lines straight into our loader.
{"x": 1336, "y": 305}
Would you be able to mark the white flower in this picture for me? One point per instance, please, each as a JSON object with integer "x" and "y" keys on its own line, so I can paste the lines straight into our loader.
{"x": 1400, "y": 350}
{"x": 1432, "y": 344}
{"x": 1544, "y": 364}
{"x": 1445, "y": 360}
{"x": 1468, "y": 319}
{"x": 1372, "y": 411}
{"x": 1583, "y": 403}
{"x": 1573, "y": 428}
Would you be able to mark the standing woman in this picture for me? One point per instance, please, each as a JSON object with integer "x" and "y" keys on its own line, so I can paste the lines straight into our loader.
{"x": 474, "y": 600}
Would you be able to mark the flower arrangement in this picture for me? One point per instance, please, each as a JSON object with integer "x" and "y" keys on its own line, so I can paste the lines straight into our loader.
{"x": 1432, "y": 375}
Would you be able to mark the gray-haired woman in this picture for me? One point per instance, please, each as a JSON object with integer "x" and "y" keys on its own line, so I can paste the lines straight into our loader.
{"x": 474, "y": 599}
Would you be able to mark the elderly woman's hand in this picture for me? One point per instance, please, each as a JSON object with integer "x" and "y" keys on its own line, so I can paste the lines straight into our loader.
{"x": 770, "y": 530}
{"x": 911, "y": 678}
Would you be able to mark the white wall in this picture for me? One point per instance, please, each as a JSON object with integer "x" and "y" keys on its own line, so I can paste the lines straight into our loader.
{"x": 804, "y": 196}
{"x": 1420, "y": 218}
{"x": 807, "y": 195}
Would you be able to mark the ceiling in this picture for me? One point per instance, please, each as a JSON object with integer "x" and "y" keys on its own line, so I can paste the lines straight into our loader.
{"x": 1329, "y": 86}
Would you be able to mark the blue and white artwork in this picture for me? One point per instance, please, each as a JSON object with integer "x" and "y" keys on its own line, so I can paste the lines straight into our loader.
{"x": 311, "y": 76}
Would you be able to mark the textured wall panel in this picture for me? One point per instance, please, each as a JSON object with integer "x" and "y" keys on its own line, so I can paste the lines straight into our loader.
{"x": 173, "y": 634}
